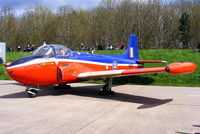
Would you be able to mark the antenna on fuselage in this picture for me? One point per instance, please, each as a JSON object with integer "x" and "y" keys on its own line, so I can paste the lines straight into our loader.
{"x": 44, "y": 43}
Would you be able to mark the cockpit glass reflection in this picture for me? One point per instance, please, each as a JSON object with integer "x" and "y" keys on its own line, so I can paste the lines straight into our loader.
{"x": 62, "y": 51}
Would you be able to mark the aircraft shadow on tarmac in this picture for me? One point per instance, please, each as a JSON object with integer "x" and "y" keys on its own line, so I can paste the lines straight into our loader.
{"x": 196, "y": 125}
{"x": 185, "y": 133}
{"x": 91, "y": 91}
{"x": 189, "y": 133}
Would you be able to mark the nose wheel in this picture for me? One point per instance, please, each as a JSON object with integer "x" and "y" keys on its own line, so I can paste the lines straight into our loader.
{"x": 32, "y": 93}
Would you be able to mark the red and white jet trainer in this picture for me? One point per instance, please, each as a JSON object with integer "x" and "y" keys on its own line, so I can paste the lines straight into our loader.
{"x": 57, "y": 64}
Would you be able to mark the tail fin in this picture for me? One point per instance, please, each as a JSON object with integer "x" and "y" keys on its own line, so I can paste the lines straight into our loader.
{"x": 132, "y": 50}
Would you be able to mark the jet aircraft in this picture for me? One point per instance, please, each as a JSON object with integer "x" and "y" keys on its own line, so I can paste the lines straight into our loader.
{"x": 58, "y": 65}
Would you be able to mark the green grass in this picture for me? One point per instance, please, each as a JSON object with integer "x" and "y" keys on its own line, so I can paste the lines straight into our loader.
{"x": 162, "y": 79}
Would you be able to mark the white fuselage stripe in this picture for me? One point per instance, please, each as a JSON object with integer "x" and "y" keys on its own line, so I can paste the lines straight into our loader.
{"x": 39, "y": 61}
{"x": 100, "y": 73}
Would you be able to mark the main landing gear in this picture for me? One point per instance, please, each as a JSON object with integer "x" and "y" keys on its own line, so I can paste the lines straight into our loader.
{"x": 106, "y": 89}
{"x": 62, "y": 86}
{"x": 32, "y": 93}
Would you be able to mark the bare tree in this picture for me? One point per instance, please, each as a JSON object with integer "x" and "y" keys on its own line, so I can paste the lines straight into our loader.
{"x": 156, "y": 22}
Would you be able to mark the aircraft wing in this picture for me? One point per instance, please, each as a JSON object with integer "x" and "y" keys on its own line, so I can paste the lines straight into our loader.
{"x": 174, "y": 68}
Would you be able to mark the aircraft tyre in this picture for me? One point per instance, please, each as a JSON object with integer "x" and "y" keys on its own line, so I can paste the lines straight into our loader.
{"x": 106, "y": 92}
{"x": 32, "y": 93}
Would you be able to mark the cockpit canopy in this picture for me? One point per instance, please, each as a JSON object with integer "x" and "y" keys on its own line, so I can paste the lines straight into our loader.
{"x": 49, "y": 51}
{"x": 52, "y": 51}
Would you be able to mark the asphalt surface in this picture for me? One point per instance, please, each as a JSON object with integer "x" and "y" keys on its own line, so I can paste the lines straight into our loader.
{"x": 132, "y": 110}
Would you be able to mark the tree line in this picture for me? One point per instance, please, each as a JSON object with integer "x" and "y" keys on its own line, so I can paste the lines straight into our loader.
{"x": 159, "y": 24}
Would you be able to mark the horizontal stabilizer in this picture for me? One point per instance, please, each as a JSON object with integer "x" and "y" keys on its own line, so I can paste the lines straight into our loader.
{"x": 150, "y": 61}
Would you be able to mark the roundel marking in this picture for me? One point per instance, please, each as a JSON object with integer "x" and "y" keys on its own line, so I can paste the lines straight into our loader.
{"x": 114, "y": 65}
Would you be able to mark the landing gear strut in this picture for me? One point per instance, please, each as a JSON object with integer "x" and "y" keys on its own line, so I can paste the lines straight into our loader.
{"x": 32, "y": 93}
{"x": 107, "y": 88}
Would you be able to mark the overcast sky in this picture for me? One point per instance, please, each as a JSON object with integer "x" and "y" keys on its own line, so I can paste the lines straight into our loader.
{"x": 19, "y": 5}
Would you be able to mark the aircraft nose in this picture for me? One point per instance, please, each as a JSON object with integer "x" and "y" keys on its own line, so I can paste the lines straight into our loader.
{"x": 16, "y": 73}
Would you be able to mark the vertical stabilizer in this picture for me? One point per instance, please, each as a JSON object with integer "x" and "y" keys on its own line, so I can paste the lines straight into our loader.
{"x": 132, "y": 50}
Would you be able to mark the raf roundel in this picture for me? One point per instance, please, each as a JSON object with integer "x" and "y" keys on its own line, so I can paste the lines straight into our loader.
{"x": 114, "y": 65}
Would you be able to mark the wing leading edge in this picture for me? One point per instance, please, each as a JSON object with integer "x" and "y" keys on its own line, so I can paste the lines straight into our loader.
{"x": 174, "y": 68}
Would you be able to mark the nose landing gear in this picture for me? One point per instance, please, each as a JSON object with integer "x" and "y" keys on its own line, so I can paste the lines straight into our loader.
{"x": 32, "y": 93}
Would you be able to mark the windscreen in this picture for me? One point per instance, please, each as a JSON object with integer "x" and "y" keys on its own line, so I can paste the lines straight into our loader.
{"x": 44, "y": 51}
